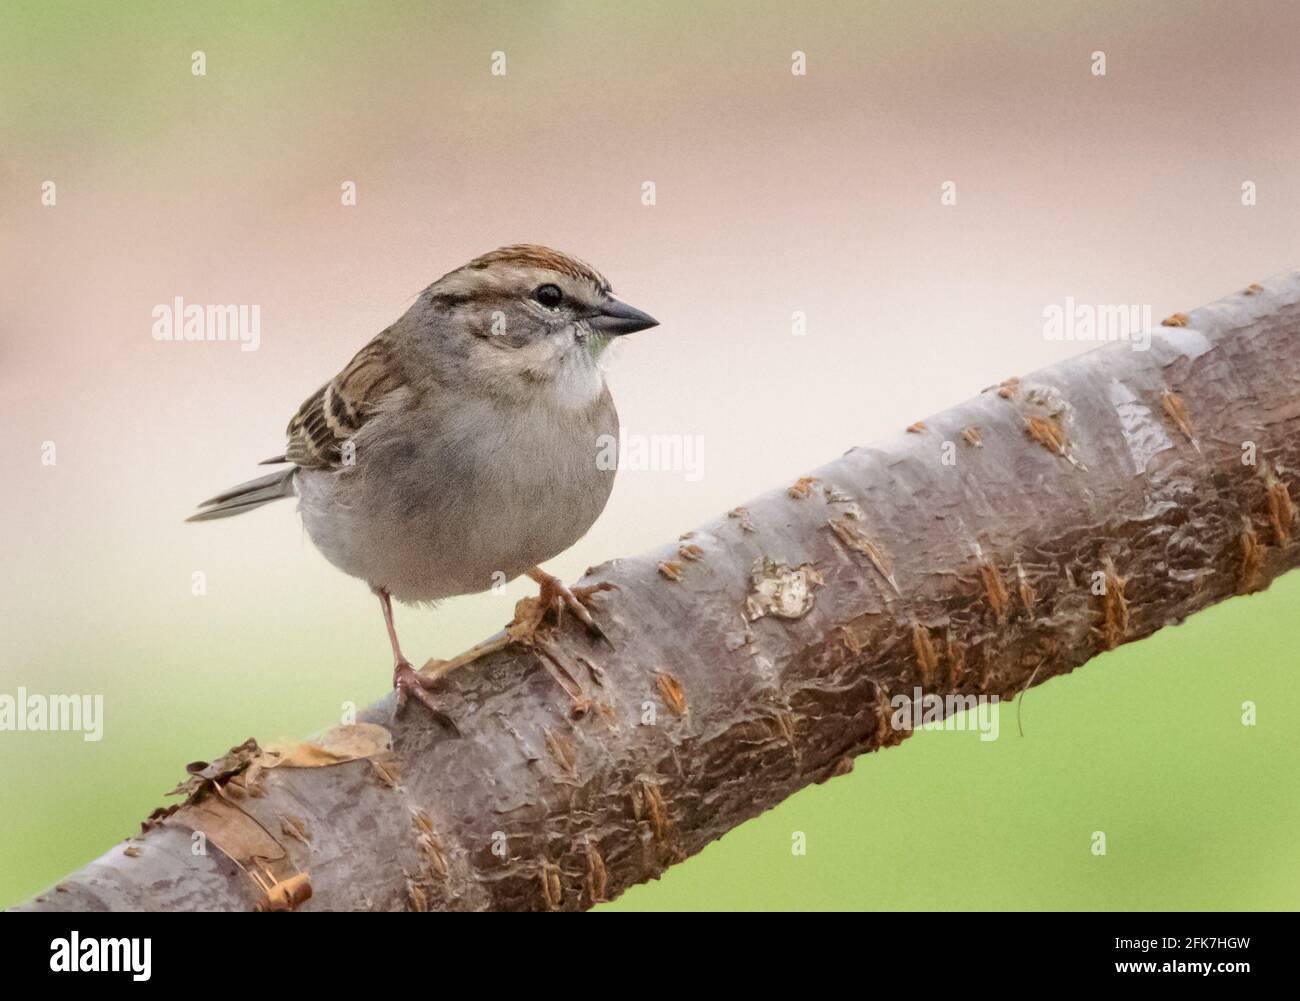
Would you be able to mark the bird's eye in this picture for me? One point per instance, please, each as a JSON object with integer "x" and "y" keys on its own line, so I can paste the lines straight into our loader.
{"x": 549, "y": 296}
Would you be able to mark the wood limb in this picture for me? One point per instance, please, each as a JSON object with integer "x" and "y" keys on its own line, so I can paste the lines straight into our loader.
{"x": 1102, "y": 499}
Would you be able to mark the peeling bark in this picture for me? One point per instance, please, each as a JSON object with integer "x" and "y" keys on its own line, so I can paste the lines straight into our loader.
{"x": 1090, "y": 504}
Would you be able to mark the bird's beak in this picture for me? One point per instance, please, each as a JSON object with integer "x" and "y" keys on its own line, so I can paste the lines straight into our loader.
{"x": 617, "y": 317}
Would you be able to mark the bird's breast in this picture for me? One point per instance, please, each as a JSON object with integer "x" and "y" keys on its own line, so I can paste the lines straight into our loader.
{"x": 495, "y": 491}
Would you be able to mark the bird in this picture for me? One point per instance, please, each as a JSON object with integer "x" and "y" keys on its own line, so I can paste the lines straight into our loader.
{"x": 464, "y": 445}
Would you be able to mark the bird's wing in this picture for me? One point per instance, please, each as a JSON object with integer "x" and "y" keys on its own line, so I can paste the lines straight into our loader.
{"x": 338, "y": 410}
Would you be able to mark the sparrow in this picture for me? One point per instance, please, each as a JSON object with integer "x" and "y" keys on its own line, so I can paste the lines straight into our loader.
{"x": 462, "y": 446}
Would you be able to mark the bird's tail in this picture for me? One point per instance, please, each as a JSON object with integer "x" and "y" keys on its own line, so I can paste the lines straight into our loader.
{"x": 247, "y": 496}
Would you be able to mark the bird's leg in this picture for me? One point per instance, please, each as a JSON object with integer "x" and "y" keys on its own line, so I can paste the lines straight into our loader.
{"x": 406, "y": 679}
{"x": 557, "y": 596}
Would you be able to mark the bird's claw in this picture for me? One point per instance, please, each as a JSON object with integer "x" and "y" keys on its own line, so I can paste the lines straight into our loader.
{"x": 557, "y": 596}
{"x": 409, "y": 684}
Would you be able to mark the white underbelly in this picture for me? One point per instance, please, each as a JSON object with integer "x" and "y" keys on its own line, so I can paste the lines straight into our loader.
{"x": 427, "y": 522}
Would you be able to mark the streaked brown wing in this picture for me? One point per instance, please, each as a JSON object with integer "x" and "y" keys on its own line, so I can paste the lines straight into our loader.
{"x": 339, "y": 409}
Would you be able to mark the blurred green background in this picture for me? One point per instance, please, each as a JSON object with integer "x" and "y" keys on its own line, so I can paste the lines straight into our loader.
{"x": 776, "y": 193}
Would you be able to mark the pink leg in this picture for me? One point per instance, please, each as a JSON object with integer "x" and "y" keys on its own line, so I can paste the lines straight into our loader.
{"x": 406, "y": 679}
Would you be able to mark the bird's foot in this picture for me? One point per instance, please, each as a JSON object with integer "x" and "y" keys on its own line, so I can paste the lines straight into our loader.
{"x": 410, "y": 683}
{"x": 556, "y": 596}
{"x": 525, "y": 629}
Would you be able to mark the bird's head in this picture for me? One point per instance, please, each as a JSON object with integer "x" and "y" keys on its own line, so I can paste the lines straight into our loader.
{"x": 533, "y": 315}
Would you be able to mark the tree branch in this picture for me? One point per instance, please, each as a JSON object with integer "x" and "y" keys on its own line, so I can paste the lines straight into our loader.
{"x": 1005, "y": 541}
